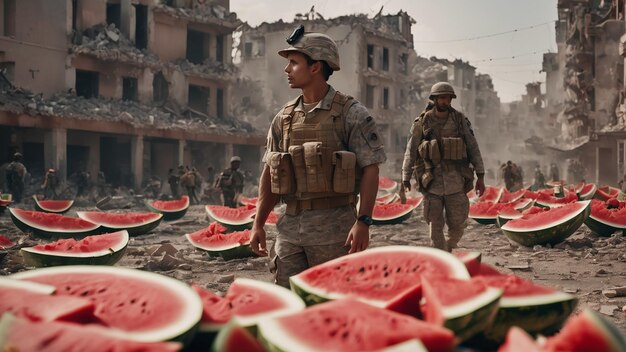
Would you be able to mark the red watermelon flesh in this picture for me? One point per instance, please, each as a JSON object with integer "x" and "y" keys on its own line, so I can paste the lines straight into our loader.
{"x": 217, "y": 241}
{"x": 86, "y": 245}
{"x": 547, "y": 199}
{"x": 5, "y": 242}
{"x": 487, "y": 270}
{"x": 606, "y": 192}
{"x": 415, "y": 202}
{"x": 518, "y": 340}
{"x": 348, "y": 325}
{"x": 385, "y": 183}
{"x": 491, "y": 194}
{"x": 508, "y": 197}
{"x": 55, "y": 205}
{"x": 272, "y": 219}
{"x": 213, "y": 229}
{"x": 52, "y": 222}
{"x": 391, "y": 213}
{"x": 238, "y": 339}
{"x": 120, "y": 220}
{"x": 487, "y": 209}
{"x": 471, "y": 261}
{"x": 587, "y": 331}
{"x": 616, "y": 216}
{"x": 248, "y": 201}
{"x": 514, "y": 286}
{"x": 171, "y": 205}
{"x": 530, "y": 221}
{"x": 35, "y": 305}
{"x": 231, "y": 215}
{"x": 25, "y": 336}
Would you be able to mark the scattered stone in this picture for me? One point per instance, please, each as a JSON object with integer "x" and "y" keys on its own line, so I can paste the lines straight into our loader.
{"x": 226, "y": 279}
{"x": 570, "y": 290}
{"x": 522, "y": 267}
{"x": 168, "y": 263}
{"x": 608, "y": 310}
{"x": 537, "y": 247}
{"x": 561, "y": 245}
{"x": 619, "y": 291}
{"x": 609, "y": 293}
{"x": 601, "y": 272}
{"x": 186, "y": 267}
{"x": 166, "y": 248}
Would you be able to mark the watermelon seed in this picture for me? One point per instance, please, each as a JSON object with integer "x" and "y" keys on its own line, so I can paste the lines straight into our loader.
{"x": 385, "y": 274}
{"x": 362, "y": 269}
{"x": 132, "y": 301}
{"x": 84, "y": 293}
{"x": 345, "y": 335}
{"x": 333, "y": 333}
{"x": 398, "y": 270}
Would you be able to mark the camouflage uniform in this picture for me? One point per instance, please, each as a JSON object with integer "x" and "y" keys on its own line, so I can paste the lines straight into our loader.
{"x": 447, "y": 191}
{"x": 309, "y": 238}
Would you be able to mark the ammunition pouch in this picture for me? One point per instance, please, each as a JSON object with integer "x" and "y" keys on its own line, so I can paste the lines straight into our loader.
{"x": 282, "y": 177}
{"x": 454, "y": 148}
{"x": 344, "y": 176}
{"x": 468, "y": 177}
{"x": 429, "y": 150}
{"x": 423, "y": 174}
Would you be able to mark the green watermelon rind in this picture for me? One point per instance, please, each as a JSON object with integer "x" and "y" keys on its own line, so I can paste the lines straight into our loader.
{"x": 221, "y": 338}
{"x": 183, "y": 331}
{"x": 40, "y": 259}
{"x": 396, "y": 219}
{"x": 602, "y": 227}
{"x": 227, "y": 252}
{"x": 609, "y": 331}
{"x": 169, "y": 215}
{"x": 39, "y": 207}
{"x": 136, "y": 230}
{"x": 313, "y": 295}
{"x": 589, "y": 195}
{"x": 469, "y": 318}
{"x": 23, "y": 225}
{"x": 245, "y": 224}
{"x": 551, "y": 234}
{"x": 536, "y": 314}
{"x": 28, "y": 286}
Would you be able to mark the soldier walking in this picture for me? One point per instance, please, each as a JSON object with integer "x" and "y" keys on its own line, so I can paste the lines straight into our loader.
{"x": 439, "y": 152}
{"x": 554, "y": 173}
{"x": 230, "y": 182}
{"x": 172, "y": 180}
{"x": 50, "y": 184}
{"x": 318, "y": 145}
{"x": 15, "y": 174}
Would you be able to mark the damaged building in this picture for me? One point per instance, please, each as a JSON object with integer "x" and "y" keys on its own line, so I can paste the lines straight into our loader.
{"x": 128, "y": 87}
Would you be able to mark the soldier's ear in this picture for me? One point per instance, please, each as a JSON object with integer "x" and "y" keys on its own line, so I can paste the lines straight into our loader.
{"x": 316, "y": 67}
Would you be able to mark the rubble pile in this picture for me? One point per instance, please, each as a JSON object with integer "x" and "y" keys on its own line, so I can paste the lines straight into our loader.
{"x": 202, "y": 13}
{"x": 208, "y": 69}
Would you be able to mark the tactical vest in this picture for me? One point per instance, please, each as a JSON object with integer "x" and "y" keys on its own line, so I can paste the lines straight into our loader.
{"x": 450, "y": 137}
{"x": 322, "y": 168}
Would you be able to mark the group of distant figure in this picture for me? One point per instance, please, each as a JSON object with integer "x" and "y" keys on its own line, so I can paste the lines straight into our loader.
{"x": 512, "y": 175}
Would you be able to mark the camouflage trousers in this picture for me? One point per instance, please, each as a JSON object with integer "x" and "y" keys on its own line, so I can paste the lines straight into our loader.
{"x": 309, "y": 238}
{"x": 456, "y": 208}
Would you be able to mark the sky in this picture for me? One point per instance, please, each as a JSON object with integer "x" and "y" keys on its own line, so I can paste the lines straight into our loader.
{"x": 448, "y": 29}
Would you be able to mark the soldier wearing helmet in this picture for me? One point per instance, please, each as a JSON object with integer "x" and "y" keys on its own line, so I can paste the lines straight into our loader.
{"x": 323, "y": 149}
{"x": 443, "y": 155}
{"x": 230, "y": 181}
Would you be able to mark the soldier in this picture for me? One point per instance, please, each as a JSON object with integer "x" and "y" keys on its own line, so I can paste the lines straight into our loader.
{"x": 540, "y": 180}
{"x": 510, "y": 174}
{"x": 50, "y": 184}
{"x": 230, "y": 182}
{"x": 439, "y": 151}
{"x": 318, "y": 146}
{"x": 172, "y": 180}
{"x": 15, "y": 174}
{"x": 188, "y": 181}
{"x": 554, "y": 172}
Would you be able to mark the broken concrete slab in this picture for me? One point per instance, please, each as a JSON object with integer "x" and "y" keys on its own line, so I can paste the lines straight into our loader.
{"x": 608, "y": 309}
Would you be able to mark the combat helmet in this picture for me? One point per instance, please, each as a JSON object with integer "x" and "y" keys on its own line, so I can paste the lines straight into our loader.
{"x": 441, "y": 88}
{"x": 317, "y": 46}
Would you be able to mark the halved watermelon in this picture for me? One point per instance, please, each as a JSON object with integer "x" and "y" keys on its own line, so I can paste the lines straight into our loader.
{"x": 536, "y": 309}
{"x": 486, "y": 213}
{"x": 587, "y": 331}
{"x": 228, "y": 246}
{"x": 547, "y": 201}
{"x": 535, "y": 195}
{"x": 171, "y": 209}
{"x": 138, "y": 305}
{"x": 248, "y": 201}
{"x": 234, "y": 338}
{"x": 387, "y": 277}
{"x": 135, "y": 223}
{"x": 386, "y": 199}
{"x": 518, "y": 340}
{"x": 604, "y": 221}
{"x": 52, "y": 225}
{"x": 393, "y": 213}
{"x": 587, "y": 191}
{"x": 471, "y": 260}
{"x": 35, "y": 302}
{"x": 385, "y": 184}
{"x": 510, "y": 213}
{"x": 465, "y": 307}
{"x": 234, "y": 219}
{"x": 491, "y": 194}
{"x": 605, "y": 193}
{"x": 22, "y": 335}
{"x": 508, "y": 197}
{"x": 106, "y": 249}
{"x": 552, "y": 226}
{"x": 348, "y": 325}
{"x": 53, "y": 206}
{"x": 415, "y": 202}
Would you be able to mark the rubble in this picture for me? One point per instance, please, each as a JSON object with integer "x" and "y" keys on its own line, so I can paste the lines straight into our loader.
{"x": 202, "y": 13}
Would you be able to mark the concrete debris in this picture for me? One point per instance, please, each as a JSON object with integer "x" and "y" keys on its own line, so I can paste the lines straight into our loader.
{"x": 608, "y": 310}
{"x": 208, "y": 13}
{"x": 226, "y": 279}
{"x": 208, "y": 69}
{"x": 609, "y": 293}
{"x": 160, "y": 250}
{"x": 615, "y": 292}
{"x": 522, "y": 267}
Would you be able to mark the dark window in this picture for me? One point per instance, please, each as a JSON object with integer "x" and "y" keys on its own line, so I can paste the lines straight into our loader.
{"x": 114, "y": 14}
{"x": 220, "y": 102}
{"x": 369, "y": 96}
{"x": 87, "y": 84}
{"x": 196, "y": 47}
{"x": 74, "y": 13}
{"x": 247, "y": 50}
{"x": 199, "y": 98}
{"x": 129, "y": 88}
{"x": 385, "y": 59}
{"x": 141, "y": 26}
{"x": 9, "y": 18}
{"x": 8, "y": 69}
{"x": 404, "y": 63}
{"x": 219, "y": 49}
{"x": 160, "y": 88}
{"x": 370, "y": 56}
{"x": 385, "y": 98}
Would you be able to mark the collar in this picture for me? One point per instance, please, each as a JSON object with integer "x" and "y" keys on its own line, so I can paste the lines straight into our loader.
{"x": 324, "y": 104}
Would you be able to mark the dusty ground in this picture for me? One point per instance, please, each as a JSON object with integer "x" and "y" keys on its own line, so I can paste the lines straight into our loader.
{"x": 584, "y": 265}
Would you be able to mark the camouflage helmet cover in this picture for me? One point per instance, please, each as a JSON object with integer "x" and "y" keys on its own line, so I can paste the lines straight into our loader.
{"x": 317, "y": 46}
{"x": 441, "y": 88}
{"x": 234, "y": 159}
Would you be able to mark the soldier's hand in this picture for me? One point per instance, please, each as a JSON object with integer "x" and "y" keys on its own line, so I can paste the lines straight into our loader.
{"x": 257, "y": 242}
{"x": 407, "y": 185}
{"x": 480, "y": 187}
{"x": 358, "y": 237}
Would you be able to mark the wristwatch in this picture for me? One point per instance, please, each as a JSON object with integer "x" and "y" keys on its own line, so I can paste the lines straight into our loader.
{"x": 366, "y": 219}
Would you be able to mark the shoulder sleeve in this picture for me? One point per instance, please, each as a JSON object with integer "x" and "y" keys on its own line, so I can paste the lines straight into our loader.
{"x": 364, "y": 138}
{"x": 410, "y": 154}
{"x": 473, "y": 151}
{"x": 274, "y": 136}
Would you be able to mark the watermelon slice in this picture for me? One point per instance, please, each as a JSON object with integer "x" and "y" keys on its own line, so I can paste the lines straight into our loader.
{"x": 135, "y": 223}
{"x": 510, "y": 213}
{"x": 386, "y": 199}
{"x": 106, "y": 249}
{"x": 486, "y": 213}
{"x": 53, "y": 206}
{"x": 471, "y": 260}
{"x": 5, "y": 242}
{"x": 518, "y": 340}
{"x": 35, "y": 302}
{"x": 387, "y": 277}
{"x": 248, "y": 201}
{"x": 587, "y": 191}
{"x": 415, "y": 202}
{"x": 394, "y": 213}
{"x": 234, "y": 219}
{"x": 491, "y": 194}
{"x": 604, "y": 221}
{"x": 552, "y": 226}
{"x": 234, "y": 245}
{"x": 509, "y": 197}
{"x": 171, "y": 209}
{"x": 547, "y": 201}
{"x": 234, "y": 338}
{"x": 348, "y": 325}
{"x": 534, "y": 308}
{"x": 272, "y": 219}
{"x": 22, "y": 335}
{"x": 587, "y": 331}
{"x": 465, "y": 307}
{"x": 605, "y": 193}
{"x": 52, "y": 225}
{"x": 385, "y": 184}
{"x": 137, "y": 305}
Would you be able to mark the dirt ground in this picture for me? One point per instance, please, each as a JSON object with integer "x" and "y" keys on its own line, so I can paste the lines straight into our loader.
{"x": 584, "y": 265}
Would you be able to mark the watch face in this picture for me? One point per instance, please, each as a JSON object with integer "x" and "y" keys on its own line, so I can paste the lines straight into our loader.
{"x": 367, "y": 220}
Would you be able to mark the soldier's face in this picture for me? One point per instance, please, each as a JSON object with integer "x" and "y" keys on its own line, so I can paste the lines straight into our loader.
{"x": 442, "y": 102}
{"x": 298, "y": 71}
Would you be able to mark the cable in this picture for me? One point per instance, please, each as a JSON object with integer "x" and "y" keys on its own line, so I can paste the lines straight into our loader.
{"x": 484, "y": 36}
{"x": 512, "y": 57}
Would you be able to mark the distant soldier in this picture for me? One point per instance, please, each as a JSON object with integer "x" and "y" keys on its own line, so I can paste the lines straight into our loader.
{"x": 188, "y": 181}
{"x": 50, "y": 184}
{"x": 510, "y": 175}
{"x": 539, "y": 181}
{"x": 622, "y": 184}
{"x": 210, "y": 175}
{"x": 439, "y": 152}
{"x": 15, "y": 174}
{"x": 230, "y": 182}
{"x": 554, "y": 172}
{"x": 173, "y": 180}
